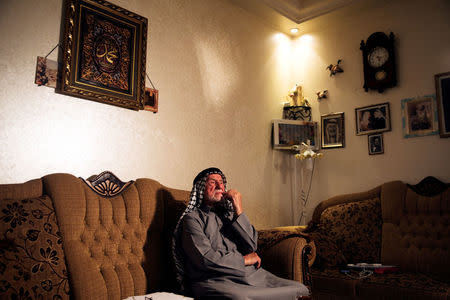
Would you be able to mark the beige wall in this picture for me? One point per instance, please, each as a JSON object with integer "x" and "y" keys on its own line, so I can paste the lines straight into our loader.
{"x": 422, "y": 29}
{"x": 222, "y": 75}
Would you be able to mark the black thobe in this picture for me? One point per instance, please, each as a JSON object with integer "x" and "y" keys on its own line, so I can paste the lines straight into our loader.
{"x": 214, "y": 249}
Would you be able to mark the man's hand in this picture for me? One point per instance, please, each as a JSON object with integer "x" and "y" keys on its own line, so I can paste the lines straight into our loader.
{"x": 236, "y": 200}
{"x": 252, "y": 259}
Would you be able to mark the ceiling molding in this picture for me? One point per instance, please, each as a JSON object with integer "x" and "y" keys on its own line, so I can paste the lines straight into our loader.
{"x": 300, "y": 11}
{"x": 285, "y": 14}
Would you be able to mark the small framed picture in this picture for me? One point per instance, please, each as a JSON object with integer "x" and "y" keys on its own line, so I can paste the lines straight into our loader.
{"x": 375, "y": 142}
{"x": 289, "y": 133}
{"x": 151, "y": 100}
{"x": 46, "y": 72}
{"x": 373, "y": 119}
{"x": 443, "y": 102}
{"x": 332, "y": 130}
{"x": 419, "y": 116}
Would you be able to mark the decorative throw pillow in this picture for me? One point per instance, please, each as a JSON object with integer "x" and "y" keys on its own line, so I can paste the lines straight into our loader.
{"x": 32, "y": 263}
{"x": 353, "y": 229}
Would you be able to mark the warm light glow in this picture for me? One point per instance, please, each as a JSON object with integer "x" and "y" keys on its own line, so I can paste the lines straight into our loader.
{"x": 306, "y": 38}
{"x": 294, "y": 30}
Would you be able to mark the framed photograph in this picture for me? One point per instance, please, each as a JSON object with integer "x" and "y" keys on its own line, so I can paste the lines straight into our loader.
{"x": 375, "y": 142}
{"x": 332, "y": 130}
{"x": 419, "y": 116}
{"x": 46, "y": 72}
{"x": 104, "y": 51}
{"x": 443, "y": 103}
{"x": 151, "y": 100}
{"x": 373, "y": 118}
{"x": 289, "y": 133}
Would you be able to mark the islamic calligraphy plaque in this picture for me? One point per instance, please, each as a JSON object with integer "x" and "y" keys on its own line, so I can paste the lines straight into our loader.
{"x": 104, "y": 53}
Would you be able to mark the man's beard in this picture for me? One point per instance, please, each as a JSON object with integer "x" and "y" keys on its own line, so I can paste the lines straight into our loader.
{"x": 216, "y": 198}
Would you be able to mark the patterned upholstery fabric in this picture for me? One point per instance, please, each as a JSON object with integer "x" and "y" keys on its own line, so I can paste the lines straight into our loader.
{"x": 390, "y": 224}
{"x": 349, "y": 233}
{"x": 32, "y": 262}
{"x": 416, "y": 230}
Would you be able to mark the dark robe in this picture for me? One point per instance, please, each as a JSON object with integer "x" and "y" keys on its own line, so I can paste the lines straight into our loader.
{"x": 214, "y": 263}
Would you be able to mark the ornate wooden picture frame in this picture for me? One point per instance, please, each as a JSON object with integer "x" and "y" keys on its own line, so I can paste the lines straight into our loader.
{"x": 443, "y": 100}
{"x": 104, "y": 52}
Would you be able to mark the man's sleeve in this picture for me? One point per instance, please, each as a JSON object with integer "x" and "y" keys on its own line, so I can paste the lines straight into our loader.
{"x": 246, "y": 232}
{"x": 199, "y": 252}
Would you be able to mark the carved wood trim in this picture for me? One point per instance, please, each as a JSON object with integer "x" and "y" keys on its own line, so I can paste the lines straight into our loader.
{"x": 106, "y": 184}
{"x": 429, "y": 187}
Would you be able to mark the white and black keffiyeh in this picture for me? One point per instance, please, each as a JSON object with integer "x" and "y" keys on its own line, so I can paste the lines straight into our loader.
{"x": 196, "y": 200}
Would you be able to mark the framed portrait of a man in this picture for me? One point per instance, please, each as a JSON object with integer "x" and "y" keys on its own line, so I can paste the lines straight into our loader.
{"x": 375, "y": 142}
{"x": 332, "y": 130}
{"x": 373, "y": 119}
{"x": 419, "y": 116}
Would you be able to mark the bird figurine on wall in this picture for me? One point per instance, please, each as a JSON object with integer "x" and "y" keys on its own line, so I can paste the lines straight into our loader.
{"x": 322, "y": 95}
{"x": 334, "y": 69}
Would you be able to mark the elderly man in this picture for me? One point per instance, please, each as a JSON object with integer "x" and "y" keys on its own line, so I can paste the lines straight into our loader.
{"x": 215, "y": 247}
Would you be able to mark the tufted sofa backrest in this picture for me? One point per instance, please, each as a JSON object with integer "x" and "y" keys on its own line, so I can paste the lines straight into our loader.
{"x": 115, "y": 247}
{"x": 416, "y": 229}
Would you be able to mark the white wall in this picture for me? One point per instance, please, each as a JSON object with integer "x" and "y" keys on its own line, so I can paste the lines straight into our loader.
{"x": 218, "y": 70}
{"x": 222, "y": 75}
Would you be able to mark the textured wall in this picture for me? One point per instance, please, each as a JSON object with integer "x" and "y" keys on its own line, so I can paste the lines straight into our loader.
{"x": 220, "y": 79}
{"x": 222, "y": 76}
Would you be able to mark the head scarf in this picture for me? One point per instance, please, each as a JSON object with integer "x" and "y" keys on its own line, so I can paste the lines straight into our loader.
{"x": 196, "y": 200}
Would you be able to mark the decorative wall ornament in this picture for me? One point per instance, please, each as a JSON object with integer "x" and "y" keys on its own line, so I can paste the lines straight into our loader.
{"x": 322, "y": 94}
{"x": 104, "y": 53}
{"x": 106, "y": 184}
{"x": 296, "y": 94}
{"x": 443, "y": 101}
{"x": 419, "y": 116}
{"x": 334, "y": 69}
{"x": 297, "y": 113}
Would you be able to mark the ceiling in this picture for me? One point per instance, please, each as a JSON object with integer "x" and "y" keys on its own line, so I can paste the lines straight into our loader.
{"x": 286, "y": 14}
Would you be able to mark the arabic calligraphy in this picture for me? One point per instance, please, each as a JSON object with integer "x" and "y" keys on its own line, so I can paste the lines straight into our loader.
{"x": 106, "y": 54}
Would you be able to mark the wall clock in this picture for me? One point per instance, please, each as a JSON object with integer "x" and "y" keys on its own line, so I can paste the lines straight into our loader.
{"x": 379, "y": 62}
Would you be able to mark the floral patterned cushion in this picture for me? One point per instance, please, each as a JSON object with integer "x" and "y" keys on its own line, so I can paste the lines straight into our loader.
{"x": 31, "y": 244}
{"x": 349, "y": 233}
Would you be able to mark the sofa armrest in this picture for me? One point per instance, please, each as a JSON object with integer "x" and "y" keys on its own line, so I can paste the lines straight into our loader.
{"x": 287, "y": 252}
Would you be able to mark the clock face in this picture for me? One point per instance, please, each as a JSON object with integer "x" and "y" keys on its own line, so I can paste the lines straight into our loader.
{"x": 378, "y": 56}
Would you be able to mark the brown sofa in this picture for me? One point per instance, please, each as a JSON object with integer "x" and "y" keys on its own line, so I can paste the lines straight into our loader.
{"x": 64, "y": 237}
{"x": 393, "y": 224}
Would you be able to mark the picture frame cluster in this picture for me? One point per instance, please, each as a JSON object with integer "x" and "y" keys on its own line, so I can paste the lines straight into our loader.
{"x": 420, "y": 116}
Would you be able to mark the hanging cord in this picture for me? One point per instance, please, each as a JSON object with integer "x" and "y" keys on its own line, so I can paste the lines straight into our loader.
{"x": 150, "y": 80}
{"x": 52, "y": 50}
{"x": 304, "y": 198}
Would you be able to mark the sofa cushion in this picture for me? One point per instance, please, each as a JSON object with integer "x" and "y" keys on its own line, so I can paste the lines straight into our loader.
{"x": 416, "y": 233}
{"x": 349, "y": 233}
{"x": 32, "y": 261}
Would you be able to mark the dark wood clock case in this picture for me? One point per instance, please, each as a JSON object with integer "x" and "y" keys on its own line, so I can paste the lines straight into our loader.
{"x": 379, "y": 39}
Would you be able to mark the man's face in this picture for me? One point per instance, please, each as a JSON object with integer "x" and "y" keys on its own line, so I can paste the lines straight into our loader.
{"x": 214, "y": 189}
